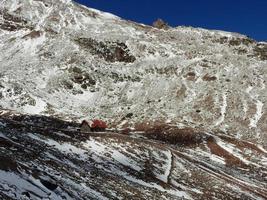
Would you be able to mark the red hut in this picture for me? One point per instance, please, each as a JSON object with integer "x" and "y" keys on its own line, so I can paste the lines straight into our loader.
{"x": 98, "y": 125}
{"x": 95, "y": 125}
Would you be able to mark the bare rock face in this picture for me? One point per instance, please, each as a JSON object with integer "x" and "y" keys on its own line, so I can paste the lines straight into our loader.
{"x": 160, "y": 24}
{"x": 11, "y": 22}
{"x": 110, "y": 51}
{"x": 198, "y": 94}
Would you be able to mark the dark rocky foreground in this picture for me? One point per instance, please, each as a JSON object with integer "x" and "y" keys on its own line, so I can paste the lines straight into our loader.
{"x": 47, "y": 158}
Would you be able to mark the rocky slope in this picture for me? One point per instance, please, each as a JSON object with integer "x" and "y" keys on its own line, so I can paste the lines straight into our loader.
{"x": 197, "y": 96}
{"x": 46, "y": 158}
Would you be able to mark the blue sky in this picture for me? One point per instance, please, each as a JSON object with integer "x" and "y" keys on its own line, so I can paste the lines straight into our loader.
{"x": 242, "y": 16}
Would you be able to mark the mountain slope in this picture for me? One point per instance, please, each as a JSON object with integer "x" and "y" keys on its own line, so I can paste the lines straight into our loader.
{"x": 43, "y": 157}
{"x": 74, "y": 61}
{"x": 190, "y": 102}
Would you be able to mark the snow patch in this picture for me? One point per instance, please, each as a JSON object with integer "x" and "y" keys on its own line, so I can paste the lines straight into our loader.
{"x": 39, "y": 106}
{"x": 101, "y": 150}
{"x": 245, "y": 108}
{"x": 209, "y": 155}
{"x": 223, "y": 109}
{"x": 231, "y": 149}
{"x": 164, "y": 177}
{"x": 261, "y": 148}
{"x": 176, "y": 193}
{"x": 257, "y": 116}
{"x": 31, "y": 45}
{"x": 103, "y": 14}
{"x": 259, "y": 106}
{"x": 63, "y": 147}
{"x": 14, "y": 185}
{"x": 97, "y": 194}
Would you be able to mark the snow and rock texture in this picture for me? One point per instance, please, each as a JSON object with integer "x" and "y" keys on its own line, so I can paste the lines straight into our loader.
{"x": 46, "y": 158}
{"x": 60, "y": 59}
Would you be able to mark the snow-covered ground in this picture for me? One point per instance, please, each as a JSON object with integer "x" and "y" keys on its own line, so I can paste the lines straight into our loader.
{"x": 60, "y": 59}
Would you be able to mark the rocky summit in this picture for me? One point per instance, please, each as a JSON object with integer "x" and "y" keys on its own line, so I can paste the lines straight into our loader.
{"x": 186, "y": 107}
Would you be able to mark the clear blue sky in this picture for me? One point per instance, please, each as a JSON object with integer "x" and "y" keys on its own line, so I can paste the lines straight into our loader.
{"x": 248, "y": 17}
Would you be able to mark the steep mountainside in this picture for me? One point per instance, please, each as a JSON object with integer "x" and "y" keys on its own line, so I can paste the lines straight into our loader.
{"x": 63, "y": 59}
{"x": 196, "y": 96}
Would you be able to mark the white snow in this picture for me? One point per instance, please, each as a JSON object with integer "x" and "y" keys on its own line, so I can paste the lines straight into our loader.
{"x": 231, "y": 149}
{"x": 63, "y": 147}
{"x": 14, "y": 5}
{"x": 264, "y": 161}
{"x": 249, "y": 88}
{"x": 167, "y": 167}
{"x": 65, "y": 1}
{"x": 162, "y": 63}
{"x": 2, "y": 112}
{"x": 87, "y": 97}
{"x": 186, "y": 188}
{"x": 147, "y": 88}
{"x": 209, "y": 155}
{"x": 179, "y": 164}
{"x": 217, "y": 159}
{"x": 245, "y": 108}
{"x": 101, "y": 149}
{"x": 31, "y": 45}
{"x": 97, "y": 194}
{"x": 262, "y": 149}
{"x": 259, "y": 108}
{"x": 116, "y": 155}
{"x": 42, "y": 19}
{"x": 39, "y": 106}
{"x": 176, "y": 193}
{"x": 258, "y": 114}
{"x": 223, "y": 109}
{"x": 103, "y": 14}
{"x": 16, "y": 184}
